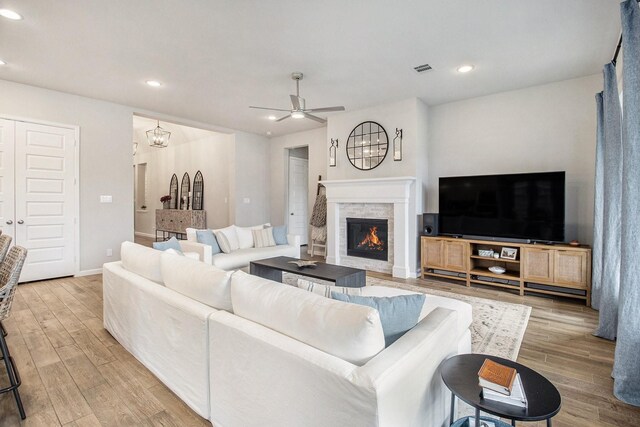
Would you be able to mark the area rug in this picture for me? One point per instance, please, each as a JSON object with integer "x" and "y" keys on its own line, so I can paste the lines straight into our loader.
{"x": 497, "y": 327}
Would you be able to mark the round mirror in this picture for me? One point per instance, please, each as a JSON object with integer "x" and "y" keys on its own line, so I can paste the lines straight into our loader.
{"x": 367, "y": 145}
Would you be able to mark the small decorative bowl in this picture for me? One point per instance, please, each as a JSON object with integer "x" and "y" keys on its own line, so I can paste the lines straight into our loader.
{"x": 485, "y": 252}
{"x": 497, "y": 269}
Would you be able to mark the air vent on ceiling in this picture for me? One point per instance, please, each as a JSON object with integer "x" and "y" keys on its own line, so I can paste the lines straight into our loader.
{"x": 422, "y": 68}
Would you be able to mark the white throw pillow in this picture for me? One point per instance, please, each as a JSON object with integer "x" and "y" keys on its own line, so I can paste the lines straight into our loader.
{"x": 202, "y": 282}
{"x": 348, "y": 331}
{"x": 142, "y": 260}
{"x": 325, "y": 290}
{"x": 245, "y": 236}
{"x": 263, "y": 238}
{"x": 227, "y": 239}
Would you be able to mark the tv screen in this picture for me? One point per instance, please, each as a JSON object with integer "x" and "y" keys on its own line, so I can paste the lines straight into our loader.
{"x": 528, "y": 206}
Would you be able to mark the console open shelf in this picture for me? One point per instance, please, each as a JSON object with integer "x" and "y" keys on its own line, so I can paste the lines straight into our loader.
{"x": 561, "y": 270}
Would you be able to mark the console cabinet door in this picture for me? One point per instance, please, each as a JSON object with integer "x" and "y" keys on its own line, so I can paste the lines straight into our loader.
{"x": 455, "y": 255}
{"x": 571, "y": 267}
{"x": 538, "y": 265}
{"x": 433, "y": 252}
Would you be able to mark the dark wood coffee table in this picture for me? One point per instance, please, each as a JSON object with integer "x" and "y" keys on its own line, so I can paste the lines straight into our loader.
{"x": 272, "y": 269}
{"x": 460, "y": 374}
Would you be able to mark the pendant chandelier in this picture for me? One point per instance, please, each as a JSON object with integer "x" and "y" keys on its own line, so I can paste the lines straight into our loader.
{"x": 158, "y": 137}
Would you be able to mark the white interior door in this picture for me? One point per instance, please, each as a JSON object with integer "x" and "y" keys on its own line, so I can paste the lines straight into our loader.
{"x": 298, "y": 195}
{"x": 7, "y": 188}
{"x": 45, "y": 203}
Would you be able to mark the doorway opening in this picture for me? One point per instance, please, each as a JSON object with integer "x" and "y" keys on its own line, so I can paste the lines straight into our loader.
{"x": 298, "y": 193}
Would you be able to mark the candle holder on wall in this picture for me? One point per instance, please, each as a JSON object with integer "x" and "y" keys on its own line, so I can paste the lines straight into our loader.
{"x": 332, "y": 152}
{"x": 397, "y": 146}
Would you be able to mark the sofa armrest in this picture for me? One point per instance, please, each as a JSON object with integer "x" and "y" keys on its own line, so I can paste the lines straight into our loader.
{"x": 293, "y": 240}
{"x": 412, "y": 365}
{"x": 204, "y": 251}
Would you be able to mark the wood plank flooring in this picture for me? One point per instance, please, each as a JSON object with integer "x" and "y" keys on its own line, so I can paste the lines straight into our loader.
{"x": 74, "y": 373}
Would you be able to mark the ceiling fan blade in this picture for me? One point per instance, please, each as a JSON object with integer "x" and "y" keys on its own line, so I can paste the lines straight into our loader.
{"x": 325, "y": 109}
{"x": 267, "y": 108}
{"x": 295, "y": 102}
{"x": 316, "y": 118}
{"x": 282, "y": 118}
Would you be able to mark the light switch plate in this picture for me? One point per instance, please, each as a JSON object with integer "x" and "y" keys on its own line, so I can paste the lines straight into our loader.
{"x": 246, "y": 200}
{"x": 106, "y": 199}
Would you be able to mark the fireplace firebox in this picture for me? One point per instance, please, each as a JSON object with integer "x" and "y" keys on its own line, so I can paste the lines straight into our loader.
{"x": 367, "y": 238}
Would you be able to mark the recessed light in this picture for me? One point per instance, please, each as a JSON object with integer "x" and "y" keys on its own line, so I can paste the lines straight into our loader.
{"x": 272, "y": 117}
{"x": 268, "y": 133}
{"x": 2, "y": 62}
{"x": 154, "y": 83}
{"x": 10, "y": 14}
{"x": 465, "y": 68}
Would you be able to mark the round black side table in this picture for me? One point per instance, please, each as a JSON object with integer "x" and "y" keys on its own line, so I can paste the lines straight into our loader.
{"x": 460, "y": 375}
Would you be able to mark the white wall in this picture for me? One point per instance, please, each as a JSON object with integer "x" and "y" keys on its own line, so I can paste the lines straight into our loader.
{"x": 543, "y": 128}
{"x": 105, "y": 162}
{"x": 249, "y": 179}
{"x": 316, "y": 140}
{"x": 208, "y": 153}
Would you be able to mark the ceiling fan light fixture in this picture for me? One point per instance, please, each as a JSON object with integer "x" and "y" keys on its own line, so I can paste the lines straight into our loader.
{"x": 297, "y": 115}
{"x": 271, "y": 117}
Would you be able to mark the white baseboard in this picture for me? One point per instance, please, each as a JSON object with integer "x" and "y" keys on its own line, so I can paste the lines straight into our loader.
{"x": 89, "y": 272}
{"x": 138, "y": 233}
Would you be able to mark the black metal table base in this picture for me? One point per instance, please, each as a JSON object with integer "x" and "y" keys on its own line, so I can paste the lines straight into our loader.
{"x": 12, "y": 373}
{"x": 477, "y": 414}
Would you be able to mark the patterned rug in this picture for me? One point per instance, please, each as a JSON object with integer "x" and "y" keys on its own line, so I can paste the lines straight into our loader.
{"x": 497, "y": 327}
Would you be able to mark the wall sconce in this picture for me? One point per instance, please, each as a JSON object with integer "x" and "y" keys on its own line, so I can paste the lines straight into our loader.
{"x": 332, "y": 152}
{"x": 397, "y": 146}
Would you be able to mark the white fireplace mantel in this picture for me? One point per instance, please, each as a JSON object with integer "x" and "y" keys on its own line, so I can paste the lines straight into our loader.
{"x": 399, "y": 191}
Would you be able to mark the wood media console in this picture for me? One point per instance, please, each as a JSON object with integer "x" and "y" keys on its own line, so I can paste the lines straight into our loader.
{"x": 560, "y": 270}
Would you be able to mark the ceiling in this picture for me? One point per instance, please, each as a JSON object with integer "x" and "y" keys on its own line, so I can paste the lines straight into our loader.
{"x": 215, "y": 58}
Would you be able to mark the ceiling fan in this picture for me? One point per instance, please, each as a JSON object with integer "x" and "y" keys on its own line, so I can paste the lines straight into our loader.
{"x": 298, "y": 106}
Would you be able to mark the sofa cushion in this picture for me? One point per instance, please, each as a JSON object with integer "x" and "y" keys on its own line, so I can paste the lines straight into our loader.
{"x": 202, "y": 282}
{"x": 227, "y": 239}
{"x": 245, "y": 235}
{"x": 280, "y": 235}
{"x": 326, "y": 290}
{"x": 172, "y": 243}
{"x": 398, "y": 314}
{"x": 242, "y": 257}
{"x": 206, "y": 237}
{"x": 263, "y": 238}
{"x": 350, "y": 332}
{"x": 141, "y": 260}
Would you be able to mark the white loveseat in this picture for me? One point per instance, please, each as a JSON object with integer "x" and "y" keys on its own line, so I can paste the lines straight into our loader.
{"x": 245, "y": 351}
{"x": 240, "y": 258}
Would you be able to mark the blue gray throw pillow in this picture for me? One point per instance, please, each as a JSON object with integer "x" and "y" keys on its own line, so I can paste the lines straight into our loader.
{"x": 207, "y": 237}
{"x": 280, "y": 235}
{"x": 172, "y": 243}
{"x": 397, "y": 314}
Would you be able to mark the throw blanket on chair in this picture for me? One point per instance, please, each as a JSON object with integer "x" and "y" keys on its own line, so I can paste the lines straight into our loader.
{"x": 319, "y": 215}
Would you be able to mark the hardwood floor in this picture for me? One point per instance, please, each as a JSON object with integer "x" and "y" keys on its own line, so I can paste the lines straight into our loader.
{"x": 74, "y": 373}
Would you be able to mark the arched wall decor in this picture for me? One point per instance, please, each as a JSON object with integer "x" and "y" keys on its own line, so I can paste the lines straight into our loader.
{"x": 198, "y": 191}
{"x": 173, "y": 192}
{"x": 185, "y": 189}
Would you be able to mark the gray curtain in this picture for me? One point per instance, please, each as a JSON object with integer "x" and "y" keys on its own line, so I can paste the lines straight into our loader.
{"x": 611, "y": 197}
{"x": 596, "y": 270}
{"x": 626, "y": 368}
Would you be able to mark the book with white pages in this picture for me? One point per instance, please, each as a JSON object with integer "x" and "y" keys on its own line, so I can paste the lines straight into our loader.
{"x": 517, "y": 397}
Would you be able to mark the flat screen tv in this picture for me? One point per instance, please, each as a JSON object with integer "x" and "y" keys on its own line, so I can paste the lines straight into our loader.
{"x": 526, "y": 206}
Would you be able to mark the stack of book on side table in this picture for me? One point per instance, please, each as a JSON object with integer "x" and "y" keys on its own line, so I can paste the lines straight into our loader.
{"x": 501, "y": 384}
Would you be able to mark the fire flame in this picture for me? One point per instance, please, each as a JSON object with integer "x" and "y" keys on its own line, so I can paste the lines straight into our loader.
{"x": 372, "y": 241}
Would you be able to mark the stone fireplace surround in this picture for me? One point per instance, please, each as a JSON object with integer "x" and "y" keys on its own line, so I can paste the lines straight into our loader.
{"x": 373, "y": 198}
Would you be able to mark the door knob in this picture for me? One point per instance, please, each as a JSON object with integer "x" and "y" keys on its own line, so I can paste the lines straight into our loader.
{"x": 9, "y": 222}
{"x": 20, "y": 221}
{"x": 291, "y": 213}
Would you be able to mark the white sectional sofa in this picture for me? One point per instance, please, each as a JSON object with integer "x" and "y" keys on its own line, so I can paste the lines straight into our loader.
{"x": 240, "y": 258}
{"x": 241, "y": 350}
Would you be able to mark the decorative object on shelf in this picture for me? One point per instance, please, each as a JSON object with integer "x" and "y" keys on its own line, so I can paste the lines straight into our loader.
{"x": 497, "y": 269}
{"x": 574, "y": 243}
{"x": 185, "y": 191}
{"x": 198, "y": 191}
{"x": 303, "y": 264}
{"x": 135, "y": 148}
{"x": 397, "y": 146}
{"x": 158, "y": 137}
{"x": 173, "y": 192}
{"x": 496, "y": 255}
{"x": 165, "y": 200}
{"x": 509, "y": 253}
{"x": 332, "y": 152}
{"x": 367, "y": 145}
{"x": 485, "y": 252}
